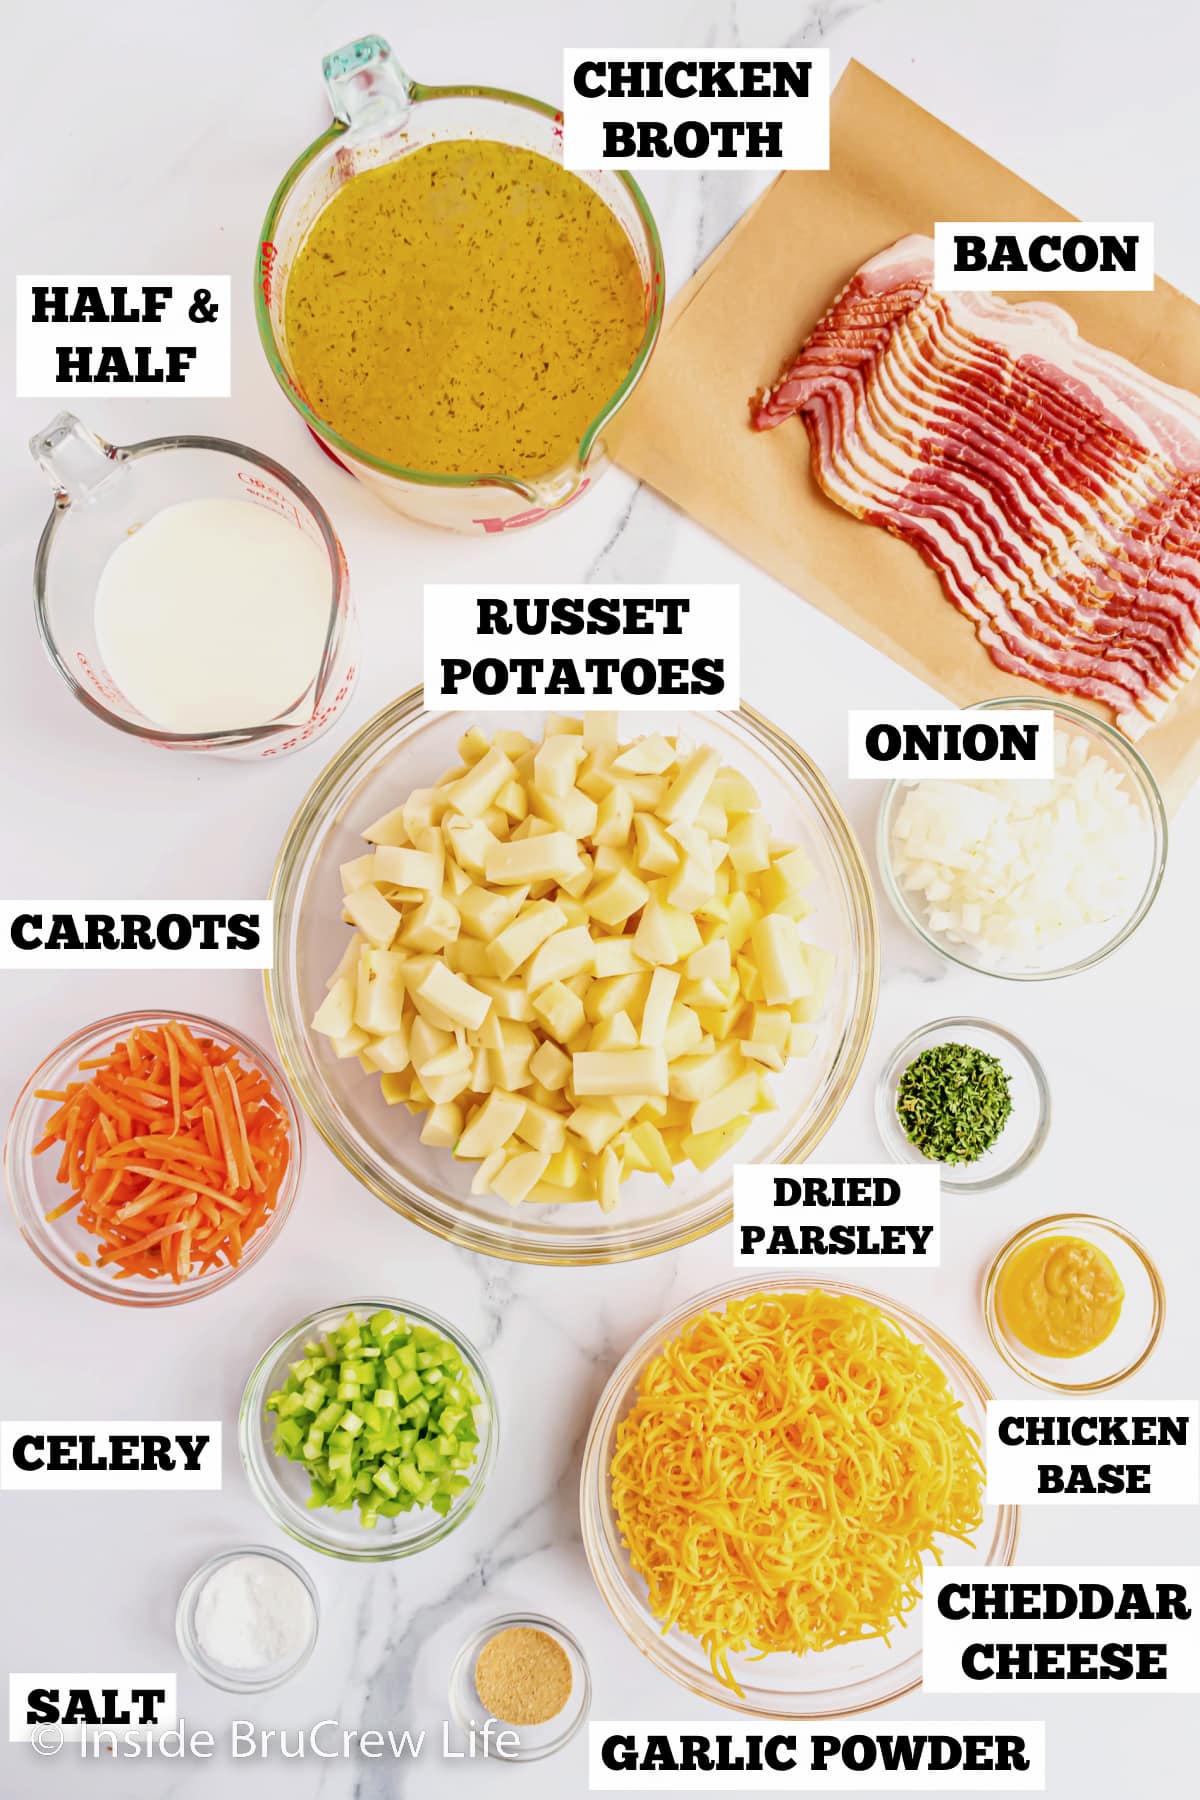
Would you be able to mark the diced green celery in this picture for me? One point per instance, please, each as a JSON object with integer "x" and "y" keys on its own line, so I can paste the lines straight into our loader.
{"x": 385, "y": 1448}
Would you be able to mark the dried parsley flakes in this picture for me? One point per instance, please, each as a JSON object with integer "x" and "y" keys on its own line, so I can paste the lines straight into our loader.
{"x": 953, "y": 1102}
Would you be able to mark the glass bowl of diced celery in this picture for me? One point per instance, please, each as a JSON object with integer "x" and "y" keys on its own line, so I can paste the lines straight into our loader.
{"x": 368, "y": 1430}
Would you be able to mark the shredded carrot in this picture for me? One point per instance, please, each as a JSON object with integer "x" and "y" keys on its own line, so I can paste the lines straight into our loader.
{"x": 175, "y": 1153}
{"x": 783, "y": 1470}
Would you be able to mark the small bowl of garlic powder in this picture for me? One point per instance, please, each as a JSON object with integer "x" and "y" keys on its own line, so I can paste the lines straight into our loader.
{"x": 247, "y": 1620}
{"x": 530, "y": 1675}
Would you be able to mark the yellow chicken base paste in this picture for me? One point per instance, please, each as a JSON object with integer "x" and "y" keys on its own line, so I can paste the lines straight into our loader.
{"x": 1060, "y": 1296}
{"x": 467, "y": 309}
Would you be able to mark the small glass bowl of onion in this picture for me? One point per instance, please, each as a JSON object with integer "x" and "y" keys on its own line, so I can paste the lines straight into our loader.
{"x": 1029, "y": 879}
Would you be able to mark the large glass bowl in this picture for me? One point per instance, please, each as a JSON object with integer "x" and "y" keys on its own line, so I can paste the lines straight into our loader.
{"x": 405, "y": 747}
{"x": 1080, "y": 950}
{"x": 34, "y": 1192}
{"x": 283, "y": 1487}
{"x": 849, "y": 1679}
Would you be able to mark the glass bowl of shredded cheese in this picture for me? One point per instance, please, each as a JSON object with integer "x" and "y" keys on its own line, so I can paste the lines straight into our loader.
{"x": 838, "y": 1394}
{"x": 1029, "y": 879}
{"x": 428, "y": 1158}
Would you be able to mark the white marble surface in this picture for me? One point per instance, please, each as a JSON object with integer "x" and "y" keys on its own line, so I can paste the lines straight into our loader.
{"x": 149, "y": 138}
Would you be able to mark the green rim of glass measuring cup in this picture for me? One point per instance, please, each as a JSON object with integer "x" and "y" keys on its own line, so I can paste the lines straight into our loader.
{"x": 424, "y": 477}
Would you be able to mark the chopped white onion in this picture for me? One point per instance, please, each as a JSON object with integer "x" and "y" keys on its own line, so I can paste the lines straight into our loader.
{"x": 1012, "y": 868}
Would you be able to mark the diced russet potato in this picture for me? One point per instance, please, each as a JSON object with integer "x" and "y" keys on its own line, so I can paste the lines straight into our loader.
{"x": 647, "y": 756}
{"x": 516, "y": 943}
{"x": 486, "y": 913}
{"x": 442, "y": 1126}
{"x": 640, "y": 1071}
{"x": 687, "y": 793}
{"x": 473, "y": 745}
{"x": 408, "y": 868}
{"x": 561, "y": 1011}
{"x": 375, "y": 917}
{"x": 616, "y": 898}
{"x": 655, "y": 852}
{"x": 335, "y": 1015}
{"x": 392, "y": 828}
{"x": 577, "y": 961}
{"x": 779, "y": 959}
{"x": 360, "y": 872}
{"x": 614, "y": 817}
{"x": 547, "y": 856}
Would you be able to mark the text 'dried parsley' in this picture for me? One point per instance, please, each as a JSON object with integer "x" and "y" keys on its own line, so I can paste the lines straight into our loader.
{"x": 953, "y": 1102}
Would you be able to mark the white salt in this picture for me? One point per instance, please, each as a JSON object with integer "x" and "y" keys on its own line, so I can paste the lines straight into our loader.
{"x": 253, "y": 1613}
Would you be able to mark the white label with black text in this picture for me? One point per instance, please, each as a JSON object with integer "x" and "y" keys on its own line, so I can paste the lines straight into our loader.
{"x": 102, "y": 1456}
{"x": 139, "y": 934}
{"x": 153, "y": 336}
{"x": 1082, "y": 1452}
{"x": 950, "y": 745}
{"x": 47, "y": 1710}
{"x": 836, "y": 1756}
{"x": 695, "y": 109}
{"x": 816, "y": 1216}
{"x": 1062, "y": 256}
{"x": 1095, "y": 1629}
{"x": 587, "y": 648}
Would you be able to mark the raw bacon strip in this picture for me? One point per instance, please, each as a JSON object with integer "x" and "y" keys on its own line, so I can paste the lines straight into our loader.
{"x": 1054, "y": 487}
{"x": 968, "y": 466}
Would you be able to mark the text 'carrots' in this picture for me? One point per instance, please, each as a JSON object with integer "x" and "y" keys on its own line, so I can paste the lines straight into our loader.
{"x": 175, "y": 1153}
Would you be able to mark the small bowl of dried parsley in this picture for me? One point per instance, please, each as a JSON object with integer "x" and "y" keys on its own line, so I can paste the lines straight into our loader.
{"x": 967, "y": 1095}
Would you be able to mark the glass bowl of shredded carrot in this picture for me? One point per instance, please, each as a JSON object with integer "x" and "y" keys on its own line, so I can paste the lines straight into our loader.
{"x": 151, "y": 1157}
{"x": 768, "y": 1473}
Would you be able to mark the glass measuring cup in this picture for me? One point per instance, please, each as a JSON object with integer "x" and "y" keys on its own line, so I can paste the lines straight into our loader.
{"x": 104, "y": 491}
{"x": 381, "y": 114}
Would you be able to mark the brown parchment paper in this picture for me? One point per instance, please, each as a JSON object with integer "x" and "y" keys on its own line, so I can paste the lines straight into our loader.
{"x": 894, "y": 168}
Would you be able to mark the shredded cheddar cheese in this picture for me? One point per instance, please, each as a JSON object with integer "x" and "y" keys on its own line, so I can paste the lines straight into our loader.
{"x": 786, "y": 1465}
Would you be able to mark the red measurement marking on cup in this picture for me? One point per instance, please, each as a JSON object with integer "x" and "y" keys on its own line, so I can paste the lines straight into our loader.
{"x": 319, "y": 720}
{"x": 103, "y": 683}
{"x": 263, "y": 493}
{"x": 533, "y": 515}
{"x": 267, "y": 255}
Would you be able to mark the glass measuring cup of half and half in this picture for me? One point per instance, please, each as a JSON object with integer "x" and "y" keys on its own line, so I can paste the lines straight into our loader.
{"x": 381, "y": 115}
{"x": 105, "y": 492}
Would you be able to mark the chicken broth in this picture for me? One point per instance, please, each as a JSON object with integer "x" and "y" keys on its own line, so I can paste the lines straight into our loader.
{"x": 466, "y": 309}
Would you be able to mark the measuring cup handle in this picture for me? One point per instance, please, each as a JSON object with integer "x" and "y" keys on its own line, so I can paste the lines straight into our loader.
{"x": 76, "y": 462}
{"x": 367, "y": 87}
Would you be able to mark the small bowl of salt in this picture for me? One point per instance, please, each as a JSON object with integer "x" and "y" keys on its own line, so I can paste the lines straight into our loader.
{"x": 247, "y": 1619}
